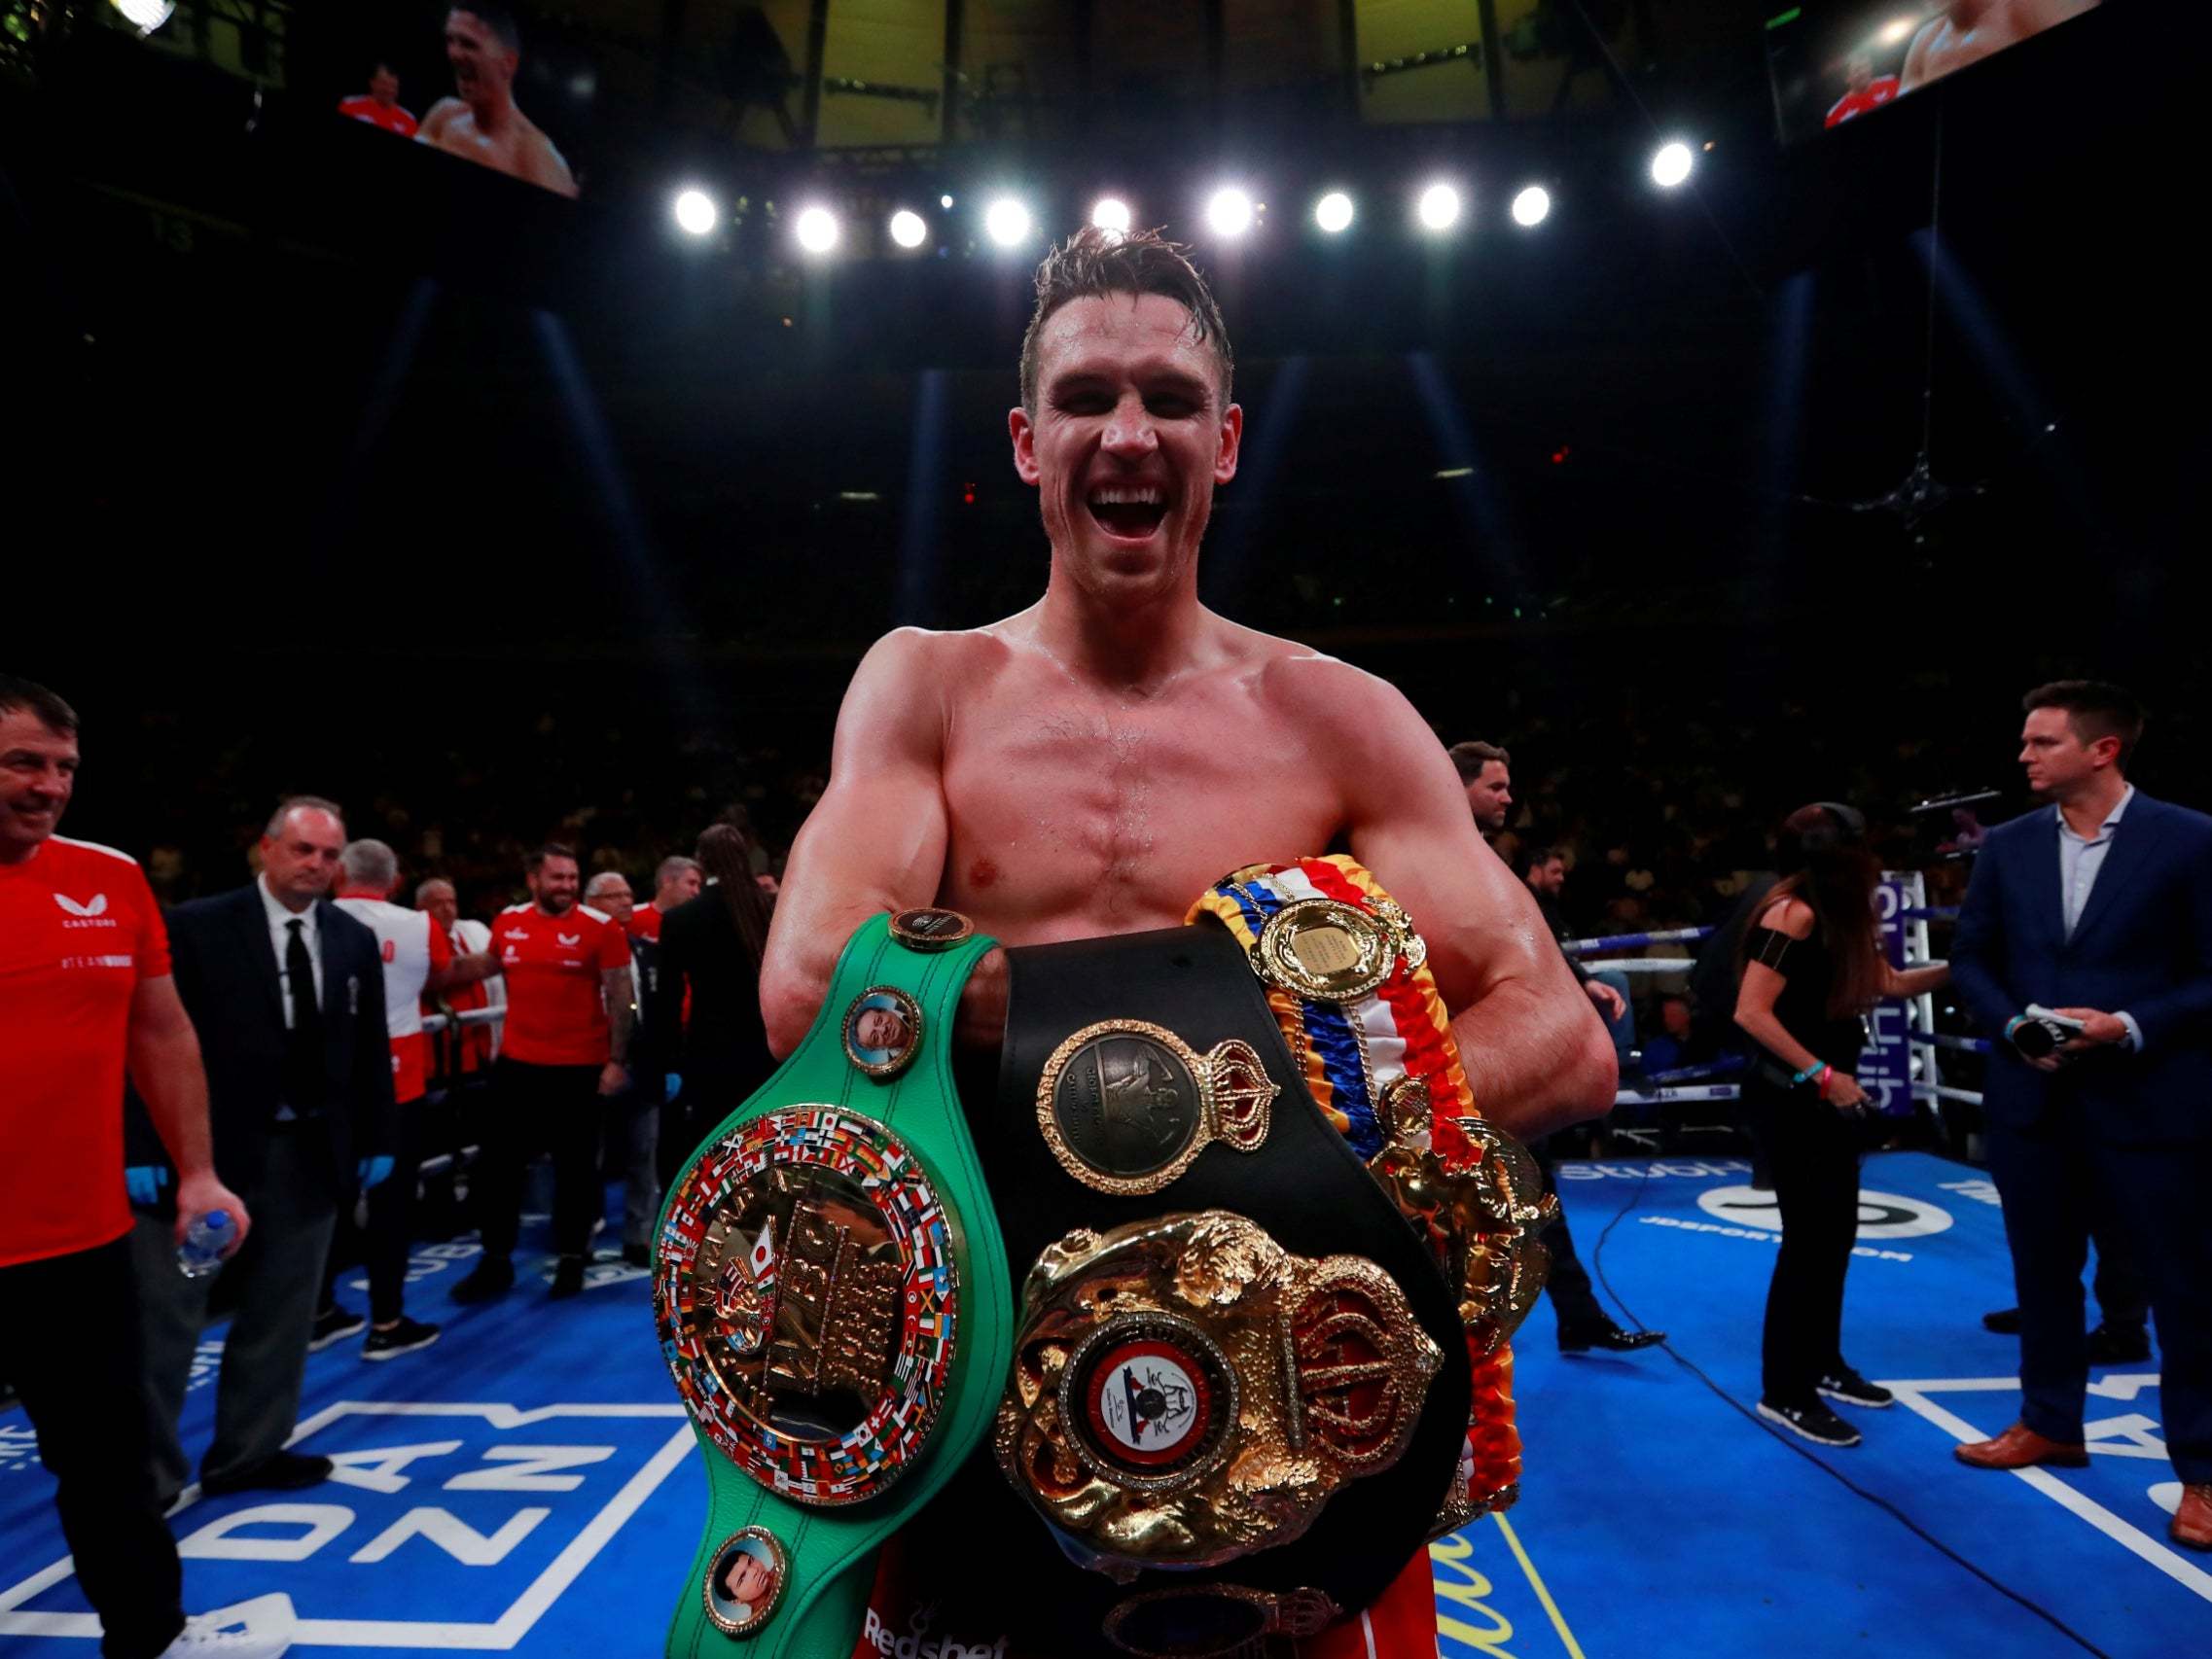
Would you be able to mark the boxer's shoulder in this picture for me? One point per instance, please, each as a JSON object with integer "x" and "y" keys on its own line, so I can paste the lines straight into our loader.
{"x": 922, "y": 670}
{"x": 440, "y": 112}
{"x": 1337, "y": 704}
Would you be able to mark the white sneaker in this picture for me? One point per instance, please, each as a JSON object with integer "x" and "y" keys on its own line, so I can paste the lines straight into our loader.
{"x": 206, "y": 1638}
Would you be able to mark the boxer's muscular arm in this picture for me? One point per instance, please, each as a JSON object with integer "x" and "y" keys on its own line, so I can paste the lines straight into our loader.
{"x": 875, "y": 841}
{"x": 1535, "y": 1052}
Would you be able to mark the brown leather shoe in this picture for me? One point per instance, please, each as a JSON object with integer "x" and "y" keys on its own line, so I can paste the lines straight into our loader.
{"x": 2017, "y": 1448}
{"x": 2192, "y": 1526}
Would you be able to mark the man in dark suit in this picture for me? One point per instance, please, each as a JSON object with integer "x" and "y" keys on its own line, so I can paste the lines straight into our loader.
{"x": 2099, "y": 907}
{"x": 287, "y": 994}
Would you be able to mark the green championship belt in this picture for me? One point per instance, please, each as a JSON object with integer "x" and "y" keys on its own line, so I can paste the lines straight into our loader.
{"x": 832, "y": 1296}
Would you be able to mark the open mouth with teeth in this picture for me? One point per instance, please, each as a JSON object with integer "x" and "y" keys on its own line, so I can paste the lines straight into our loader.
{"x": 1130, "y": 512}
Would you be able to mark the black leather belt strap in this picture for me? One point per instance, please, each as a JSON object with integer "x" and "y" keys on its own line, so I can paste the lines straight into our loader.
{"x": 1304, "y": 1184}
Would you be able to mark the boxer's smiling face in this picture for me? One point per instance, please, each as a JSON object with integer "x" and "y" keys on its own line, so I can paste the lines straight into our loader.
{"x": 483, "y": 67}
{"x": 1127, "y": 443}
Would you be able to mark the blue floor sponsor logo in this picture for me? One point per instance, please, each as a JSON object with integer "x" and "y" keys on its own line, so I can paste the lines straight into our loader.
{"x": 445, "y": 1526}
{"x": 1881, "y": 1215}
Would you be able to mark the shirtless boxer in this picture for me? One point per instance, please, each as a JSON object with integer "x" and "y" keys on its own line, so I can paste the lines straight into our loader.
{"x": 1089, "y": 765}
{"x": 481, "y": 122}
{"x": 1967, "y": 31}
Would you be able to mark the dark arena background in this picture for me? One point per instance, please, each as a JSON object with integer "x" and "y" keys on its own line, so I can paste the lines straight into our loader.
{"x": 338, "y": 465}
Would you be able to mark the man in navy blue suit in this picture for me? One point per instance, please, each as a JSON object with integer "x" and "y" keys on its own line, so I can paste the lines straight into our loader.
{"x": 2098, "y": 909}
{"x": 287, "y": 994}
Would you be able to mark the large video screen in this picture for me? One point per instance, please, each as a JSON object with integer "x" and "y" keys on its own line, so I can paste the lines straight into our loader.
{"x": 1837, "y": 60}
{"x": 489, "y": 83}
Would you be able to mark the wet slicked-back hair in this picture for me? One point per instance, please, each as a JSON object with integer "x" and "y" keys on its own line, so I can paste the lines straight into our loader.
{"x": 1093, "y": 263}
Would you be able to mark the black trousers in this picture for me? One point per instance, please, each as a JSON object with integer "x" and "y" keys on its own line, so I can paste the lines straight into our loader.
{"x": 73, "y": 1356}
{"x": 531, "y": 1109}
{"x": 1813, "y": 1151}
{"x": 382, "y": 1246}
{"x": 1573, "y": 1303}
{"x": 685, "y": 1122}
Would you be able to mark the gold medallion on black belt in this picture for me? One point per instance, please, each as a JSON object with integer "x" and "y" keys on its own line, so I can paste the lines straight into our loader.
{"x": 1126, "y": 1104}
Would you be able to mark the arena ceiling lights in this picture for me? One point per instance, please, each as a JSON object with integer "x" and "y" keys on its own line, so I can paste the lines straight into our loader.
{"x": 1671, "y": 164}
{"x": 1007, "y": 222}
{"x": 816, "y": 229}
{"x": 696, "y": 212}
{"x": 1231, "y": 211}
{"x": 1010, "y": 221}
{"x": 146, "y": 15}
{"x": 1438, "y": 207}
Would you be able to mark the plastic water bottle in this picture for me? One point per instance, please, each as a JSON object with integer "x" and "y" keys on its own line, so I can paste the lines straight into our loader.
{"x": 204, "y": 1243}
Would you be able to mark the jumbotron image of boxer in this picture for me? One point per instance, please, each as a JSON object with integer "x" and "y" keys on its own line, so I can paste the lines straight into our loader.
{"x": 481, "y": 122}
{"x": 1969, "y": 30}
{"x": 1084, "y": 767}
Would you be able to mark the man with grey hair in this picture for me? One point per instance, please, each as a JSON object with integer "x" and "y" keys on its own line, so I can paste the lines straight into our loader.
{"x": 634, "y": 1115}
{"x": 477, "y": 1045}
{"x": 418, "y": 961}
{"x": 677, "y": 881}
{"x": 287, "y": 994}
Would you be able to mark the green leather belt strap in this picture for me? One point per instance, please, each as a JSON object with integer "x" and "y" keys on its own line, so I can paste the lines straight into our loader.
{"x": 832, "y": 1550}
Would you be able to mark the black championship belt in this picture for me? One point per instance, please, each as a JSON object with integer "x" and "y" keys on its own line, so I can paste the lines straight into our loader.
{"x": 1240, "y": 1383}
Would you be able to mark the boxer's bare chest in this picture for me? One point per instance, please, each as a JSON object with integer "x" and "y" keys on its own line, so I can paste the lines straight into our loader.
{"x": 504, "y": 151}
{"x": 1075, "y": 812}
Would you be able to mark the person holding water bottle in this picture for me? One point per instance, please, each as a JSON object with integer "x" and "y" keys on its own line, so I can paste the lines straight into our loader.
{"x": 287, "y": 993}
{"x": 85, "y": 994}
{"x": 1810, "y": 969}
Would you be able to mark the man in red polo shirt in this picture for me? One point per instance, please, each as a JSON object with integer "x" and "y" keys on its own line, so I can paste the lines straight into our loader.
{"x": 1864, "y": 91}
{"x": 566, "y": 1045}
{"x": 85, "y": 996}
{"x": 380, "y": 105}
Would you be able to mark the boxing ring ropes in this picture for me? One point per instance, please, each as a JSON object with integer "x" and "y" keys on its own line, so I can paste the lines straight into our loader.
{"x": 1906, "y": 917}
{"x": 1914, "y": 1057}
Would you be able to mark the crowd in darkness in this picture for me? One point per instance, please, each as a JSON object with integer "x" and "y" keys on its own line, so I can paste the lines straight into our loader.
{"x": 1663, "y": 805}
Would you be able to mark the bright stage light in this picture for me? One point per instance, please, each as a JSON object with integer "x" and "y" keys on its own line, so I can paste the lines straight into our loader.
{"x": 1893, "y": 32}
{"x": 945, "y": 201}
{"x": 907, "y": 228}
{"x": 147, "y": 15}
{"x": 1228, "y": 212}
{"x": 1111, "y": 213}
{"x": 696, "y": 212}
{"x": 1333, "y": 212}
{"x": 1532, "y": 206}
{"x": 1439, "y": 207}
{"x": 1007, "y": 223}
{"x": 1671, "y": 164}
{"x": 816, "y": 229}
